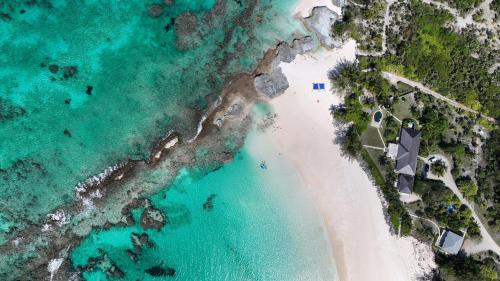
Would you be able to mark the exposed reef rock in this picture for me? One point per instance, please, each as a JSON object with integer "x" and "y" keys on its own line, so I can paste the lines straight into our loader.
{"x": 104, "y": 263}
{"x": 320, "y": 22}
{"x": 339, "y": 3}
{"x": 141, "y": 240}
{"x": 152, "y": 218}
{"x": 287, "y": 53}
{"x": 273, "y": 84}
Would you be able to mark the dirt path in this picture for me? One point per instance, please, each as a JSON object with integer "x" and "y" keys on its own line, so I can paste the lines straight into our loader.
{"x": 487, "y": 242}
{"x": 394, "y": 78}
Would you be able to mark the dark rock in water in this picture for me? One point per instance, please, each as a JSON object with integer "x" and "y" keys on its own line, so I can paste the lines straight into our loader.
{"x": 70, "y": 71}
{"x": 271, "y": 85}
{"x": 5, "y": 17}
{"x": 89, "y": 90}
{"x": 169, "y": 25}
{"x": 144, "y": 239}
{"x": 54, "y": 68}
{"x": 133, "y": 256}
{"x": 209, "y": 203}
{"x": 9, "y": 111}
{"x": 152, "y": 218}
{"x": 67, "y": 101}
{"x": 160, "y": 271}
{"x": 67, "y": 133}
{"x": 22, "y": 11}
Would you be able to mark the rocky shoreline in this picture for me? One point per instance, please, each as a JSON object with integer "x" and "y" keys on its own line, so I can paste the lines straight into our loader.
{"x": 228, "y": 114}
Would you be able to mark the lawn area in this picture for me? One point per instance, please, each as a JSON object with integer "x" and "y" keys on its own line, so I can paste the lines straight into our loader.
{"x": 375, "y": 156}
{"x": 371, "y": 137}
{"x": 401, "y": 108}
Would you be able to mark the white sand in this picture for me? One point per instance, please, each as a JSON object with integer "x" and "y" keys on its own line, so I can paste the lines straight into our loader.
{"x": 349, "y": 203}
{"x": 304, "y": 7}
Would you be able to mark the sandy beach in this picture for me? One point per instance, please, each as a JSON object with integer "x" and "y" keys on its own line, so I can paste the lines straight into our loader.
{"x": 347, "y": 200}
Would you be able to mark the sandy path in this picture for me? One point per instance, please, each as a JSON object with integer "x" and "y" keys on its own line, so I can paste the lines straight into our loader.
{"x": 394, "y": 78}
{"x": 347, "y": 200}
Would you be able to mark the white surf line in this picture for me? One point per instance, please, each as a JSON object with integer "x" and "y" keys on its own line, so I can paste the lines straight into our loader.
{"x": 204, "y": 118}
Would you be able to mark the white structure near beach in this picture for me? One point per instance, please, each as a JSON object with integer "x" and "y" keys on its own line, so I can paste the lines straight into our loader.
{"x": 450, "y": 242}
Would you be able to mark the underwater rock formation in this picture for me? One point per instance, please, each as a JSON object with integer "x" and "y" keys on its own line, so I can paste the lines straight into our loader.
{"x": 185, "y": 30}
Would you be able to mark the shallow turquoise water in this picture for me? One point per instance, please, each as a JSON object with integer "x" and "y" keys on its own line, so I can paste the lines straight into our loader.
{"x": 86, "y": 84}
{"x": 262, "y": 227}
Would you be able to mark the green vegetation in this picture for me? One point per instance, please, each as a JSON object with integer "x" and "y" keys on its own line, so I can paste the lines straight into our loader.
{"x": 463, "y": 6}
{"x": 397, "y": 212}
{"x": 466, "y": 268}
{"x": 488, "y": 179}
{"x": 352, "y": 81}
{"x": 433, "y": 125}
{"x": 429, "y": 51}
{"x": 438, "y": 167}
{"x": 440, "y": 204}
{"x": 369, "y": 36}
{"x": 391, "y": 129}
{"x": 423, "y": 46}
{"x": 467, "y": 187}
{"x": 495, "y": 6}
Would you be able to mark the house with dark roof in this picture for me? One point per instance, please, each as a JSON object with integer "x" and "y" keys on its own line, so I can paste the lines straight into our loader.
{"x": 409, "y": 144}
{"x": 405, "y": 184}
{"x": 450, "y": 242}
{"x": 406, "y": 159}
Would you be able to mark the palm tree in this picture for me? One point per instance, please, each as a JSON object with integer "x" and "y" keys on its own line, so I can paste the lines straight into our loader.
{"x": 438, "y": 167}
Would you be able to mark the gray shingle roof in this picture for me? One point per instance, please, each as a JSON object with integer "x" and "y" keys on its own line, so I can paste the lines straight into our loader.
{"x": 405, "y": 184}
{"x": 409, "y": 144}
{"x": 451, "y": 242}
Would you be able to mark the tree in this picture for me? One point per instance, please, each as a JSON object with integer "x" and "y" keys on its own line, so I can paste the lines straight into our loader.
{"x": 467, "y": 187}
{"x": 351, "y": 142}
{"x": 438, "y": 167}
{"x": 488, "y": 273}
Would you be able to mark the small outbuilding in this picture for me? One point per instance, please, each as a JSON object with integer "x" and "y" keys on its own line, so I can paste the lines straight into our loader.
{"x": 450, "y": 242}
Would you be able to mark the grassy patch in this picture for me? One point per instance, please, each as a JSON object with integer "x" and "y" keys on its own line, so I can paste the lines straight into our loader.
{"x": 371, "y": 137}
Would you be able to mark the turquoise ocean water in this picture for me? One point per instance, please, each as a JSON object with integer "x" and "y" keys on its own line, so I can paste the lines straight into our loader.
{"x": 85, "y": 84}
{"x": 261, "y": 227}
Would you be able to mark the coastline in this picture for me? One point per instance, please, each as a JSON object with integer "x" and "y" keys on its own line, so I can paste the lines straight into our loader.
{"x": 340, "y": 218}
{"x": 347, "y": 200}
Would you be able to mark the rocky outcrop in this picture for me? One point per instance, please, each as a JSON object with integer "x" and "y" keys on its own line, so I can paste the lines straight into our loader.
{"x": 339, "y": 3}
{"x": 320, "y": 22}
{"x": 271, "y": 84}
{"x": 287, "y": 53}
